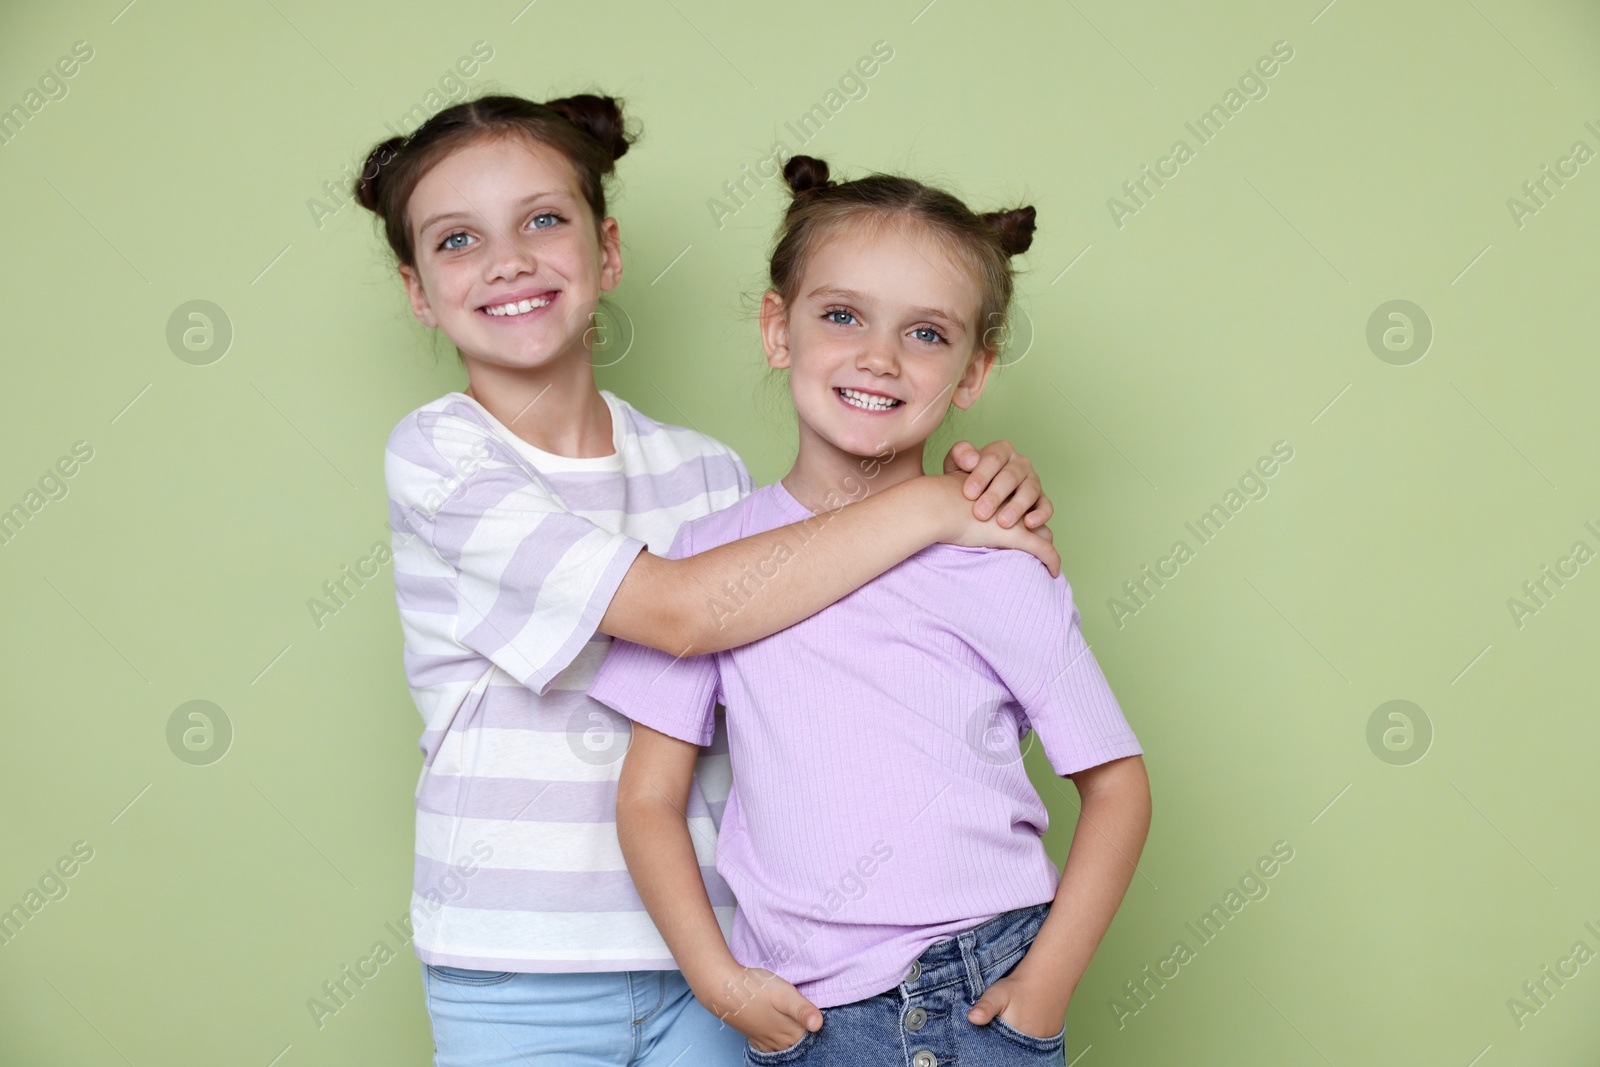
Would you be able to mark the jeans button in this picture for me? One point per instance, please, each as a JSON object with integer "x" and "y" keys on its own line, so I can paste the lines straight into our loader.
{"x": 916, "y": 1018}
{"x": 915, "y": 972}
{"x": 924, "y": 1059}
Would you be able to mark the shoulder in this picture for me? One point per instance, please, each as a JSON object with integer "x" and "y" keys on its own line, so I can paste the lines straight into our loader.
{"x": 752, "y": 514}
{"x": 439, "y": 428}
{"x": 1009, "y": 610}
{"x": 660, "y": 448}
{"x": 1007, "y": 577}
{"x": 654, "y": 435}
{"x": 435, "y": 448}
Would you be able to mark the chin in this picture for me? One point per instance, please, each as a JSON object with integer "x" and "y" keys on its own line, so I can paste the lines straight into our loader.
{"x": 519, "y": 361}
{"x": 867, "y": 446}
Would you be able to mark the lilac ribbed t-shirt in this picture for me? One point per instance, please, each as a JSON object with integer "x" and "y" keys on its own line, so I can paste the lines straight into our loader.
{"x": 879, "y": 798}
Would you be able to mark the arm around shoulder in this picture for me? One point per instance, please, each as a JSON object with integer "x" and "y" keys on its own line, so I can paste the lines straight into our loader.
{"x": 679, "y": 606}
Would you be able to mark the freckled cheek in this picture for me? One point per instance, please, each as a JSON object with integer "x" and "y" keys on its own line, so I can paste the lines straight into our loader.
{"x": 576, "y": 257}
{"x": 814, "y": 375}
{"x": 930, "y": 384}
{"x": 817, "y": 355}
{"x": 458, "y": 279}
{"x": 808, "y": 378}
{"x": 446, "y": 288}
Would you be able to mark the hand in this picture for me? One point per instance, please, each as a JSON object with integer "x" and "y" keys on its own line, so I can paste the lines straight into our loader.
{"x": 768, "y": 1011}
{"x": 976, "y": 533}
{"x": 999, "y": 472}
{"x": 1017, "y": 1001}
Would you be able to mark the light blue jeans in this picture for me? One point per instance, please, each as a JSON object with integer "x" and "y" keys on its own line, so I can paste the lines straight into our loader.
{"x": 603, "y": 1019}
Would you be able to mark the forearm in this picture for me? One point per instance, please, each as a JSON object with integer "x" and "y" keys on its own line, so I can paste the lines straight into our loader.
{"x": 659, "y": 851}
{"x": 1106, "y": 844}
{"x": 752, "y": 588}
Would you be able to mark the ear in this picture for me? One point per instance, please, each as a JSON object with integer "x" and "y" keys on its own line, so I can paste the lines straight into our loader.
{"x": 610, "y": 255}
{"x": 970, "y": 385}
{"x": 775, "y": 330}
{"x": 418, "y": 296}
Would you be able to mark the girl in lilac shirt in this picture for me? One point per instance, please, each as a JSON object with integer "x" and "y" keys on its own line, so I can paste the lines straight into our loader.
{"x": 882, "y": 838}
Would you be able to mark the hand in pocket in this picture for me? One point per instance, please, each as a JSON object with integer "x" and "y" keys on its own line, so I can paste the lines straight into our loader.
{"x": 767, "y": 1010}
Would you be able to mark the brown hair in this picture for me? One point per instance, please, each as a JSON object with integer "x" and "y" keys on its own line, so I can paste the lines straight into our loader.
{"x": 985, "y": 242}
{"x": 587, "y": 130}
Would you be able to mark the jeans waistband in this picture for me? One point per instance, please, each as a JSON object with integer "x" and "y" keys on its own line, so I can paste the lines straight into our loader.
{"x": 967, "y": 955}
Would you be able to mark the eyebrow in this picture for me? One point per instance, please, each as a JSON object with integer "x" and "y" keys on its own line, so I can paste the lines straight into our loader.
{"x": 861, "y": 298}
{"x": 434, "y": 220}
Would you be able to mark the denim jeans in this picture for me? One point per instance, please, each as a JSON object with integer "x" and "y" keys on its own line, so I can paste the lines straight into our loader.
{"x": 601, "y": 1019}
{"x": 923, "y": 1021}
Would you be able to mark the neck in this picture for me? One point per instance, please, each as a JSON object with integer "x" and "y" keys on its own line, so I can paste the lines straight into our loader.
{"x": 555, "y": 408}
{"x": 825, "y": 477}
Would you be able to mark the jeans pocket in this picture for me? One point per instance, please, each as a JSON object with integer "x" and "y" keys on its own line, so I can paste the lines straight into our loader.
{"x": 1028, "y": 1041}
{"x": 794, "y": 1052}
{"x": 1001, "y": 966}
{"x": 466, "y": 976}
{"x": 1027, "y": 919}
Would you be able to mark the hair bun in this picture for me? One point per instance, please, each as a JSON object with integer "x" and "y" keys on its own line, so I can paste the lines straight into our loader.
{"x": 1015, "y": 228}
{"x": 365, "y": 186}
{"x": 805, "y": 173}
{"x": 599, "y": 116}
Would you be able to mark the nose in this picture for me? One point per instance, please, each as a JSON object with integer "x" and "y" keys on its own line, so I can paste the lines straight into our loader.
{"x": 878, "y": 356}
{"x": 508, "y": 258}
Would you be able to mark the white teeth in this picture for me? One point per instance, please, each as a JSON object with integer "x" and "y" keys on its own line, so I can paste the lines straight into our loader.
{"x": 868, "y": 401}
{"x": 521, "y": 307}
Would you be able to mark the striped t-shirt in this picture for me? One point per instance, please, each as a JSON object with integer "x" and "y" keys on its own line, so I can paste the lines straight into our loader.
{"x": 505, "y": 559}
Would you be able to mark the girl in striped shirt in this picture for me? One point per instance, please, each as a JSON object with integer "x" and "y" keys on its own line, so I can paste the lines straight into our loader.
{"x": 531, "y": 513}
{"x": 896, "y": 903}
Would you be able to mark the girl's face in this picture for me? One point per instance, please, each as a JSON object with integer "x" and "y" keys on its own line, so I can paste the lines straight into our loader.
{"x": 508, "y": 259}
{"x": 880, "y": 339}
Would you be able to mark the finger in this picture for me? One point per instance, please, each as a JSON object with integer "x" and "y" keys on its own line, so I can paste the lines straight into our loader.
{"x": 803, "y": 1012}
{"x": 963, "y": 456}
{"x": 994, "y": 456}
{"x": 782, "y": 1041}
{"x": 987, "y": 1008}
{"x": 1010, "y": 479}
{"x": 1046, "y": 533}
{"x": 1022, "y": 501}
{"x": 1040, "y": 514}
{"x": 1048, "y": 556}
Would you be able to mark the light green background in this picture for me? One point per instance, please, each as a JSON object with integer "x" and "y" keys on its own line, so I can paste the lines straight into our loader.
{"x": 1229, "y": 313}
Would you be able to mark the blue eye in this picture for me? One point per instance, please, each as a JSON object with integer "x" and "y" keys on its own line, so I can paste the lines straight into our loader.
{"x": 445, "y": 244}
{"x": 934, "y": 337}
{"x": 551, "y": 215}
{"x": 833, "y": 316}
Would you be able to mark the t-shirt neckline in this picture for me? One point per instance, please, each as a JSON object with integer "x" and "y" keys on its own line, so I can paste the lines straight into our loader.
{"x": 789, "y": 503}
{"x": 553, "y": 461}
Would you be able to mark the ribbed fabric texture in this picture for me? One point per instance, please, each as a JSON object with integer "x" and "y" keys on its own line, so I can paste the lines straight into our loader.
{"x": 879, "y": 799}
{"x": 505, "y": 559}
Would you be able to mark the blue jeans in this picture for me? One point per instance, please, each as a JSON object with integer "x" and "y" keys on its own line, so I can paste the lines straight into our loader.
{"x": 923, "y": 1021}
{"x": 601, "y": 1019}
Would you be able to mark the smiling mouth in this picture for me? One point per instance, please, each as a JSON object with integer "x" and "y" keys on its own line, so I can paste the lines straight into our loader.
{"x": 516, "y": 308}
{"x": 868, "y": 401}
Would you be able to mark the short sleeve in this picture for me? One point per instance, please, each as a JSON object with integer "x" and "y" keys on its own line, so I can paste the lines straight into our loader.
{"x": 532, "y": 580}
{"x": 1067, "y": 700}
{"x": 675, "y": 695}
{"x": 746, "y": 484}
